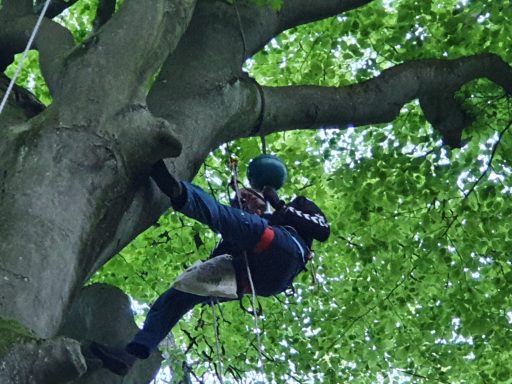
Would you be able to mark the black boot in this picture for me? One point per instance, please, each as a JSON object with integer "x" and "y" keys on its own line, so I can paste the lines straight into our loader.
{"x": 115, "y": 360}
{"x": 166, "y": 181}
{"x": 140, "y": 351}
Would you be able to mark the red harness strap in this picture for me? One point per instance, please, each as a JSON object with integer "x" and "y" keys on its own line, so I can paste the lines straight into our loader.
{"x": 265, "y": 240}
{"x": 243, "y": 284}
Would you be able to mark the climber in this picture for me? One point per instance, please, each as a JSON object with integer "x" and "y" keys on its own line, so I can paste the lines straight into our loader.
{"x": 277, "y": 247}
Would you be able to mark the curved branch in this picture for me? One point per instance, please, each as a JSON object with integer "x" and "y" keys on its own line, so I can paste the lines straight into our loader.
{"x": 147, "y": 140}
{"x": 297, "y": 12}
{"x": 55, "y": 8}
{"x": 106, "y": 9}
{"x": 52, "y": 41}
{"x": 152, "y": 40}
{"x": 11, "y": 43}
{"x": 21, "y": 104}
{"x": 210, "y": 56}
{"x": 53, "y": 361}
{"x": 258, "y": 25}
{"x": 221, "y": 36}
{"x": 15, "y": 8}
{"x": 379, "y": 100}
{"x": 140, "y": 35}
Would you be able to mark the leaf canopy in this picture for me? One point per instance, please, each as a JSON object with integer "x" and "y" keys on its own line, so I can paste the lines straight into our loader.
{"x": 415, "y": 282}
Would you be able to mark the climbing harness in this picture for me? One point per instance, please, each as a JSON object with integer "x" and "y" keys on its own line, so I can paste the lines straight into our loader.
{"x": 259, "y": 88}
{"x": 27, "y": 48}
{"x": 256, "y": 312}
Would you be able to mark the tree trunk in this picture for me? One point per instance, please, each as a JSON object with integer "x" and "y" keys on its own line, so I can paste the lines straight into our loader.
{"x": 74, "y": 185}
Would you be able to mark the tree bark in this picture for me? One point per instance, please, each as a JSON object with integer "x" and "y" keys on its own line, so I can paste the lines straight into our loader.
{"x": 74, "y": 186}
{"x": 55, "y": 8}
{"x": 433, "y": 82}
{"x": 68, "y": 174}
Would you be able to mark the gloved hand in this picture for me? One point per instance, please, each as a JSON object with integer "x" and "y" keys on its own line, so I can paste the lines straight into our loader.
{"x": 270, "y": 194}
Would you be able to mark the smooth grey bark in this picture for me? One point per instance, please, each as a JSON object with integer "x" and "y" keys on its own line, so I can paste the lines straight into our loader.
{"x": 21, "y": 104}
{"x": 296, "y": 12}
{"x": 109, "y": 307}
{"x": 74, "y": 187}
{"x": 99, "y": 312}
{"x": 379, "y": 100}
{"x": 55, "y": 8}
{"x": 16, "y": 8}
{"x": 54, "y": 361}
{"x": 68, "y": 175}
{"x": 106, "y": 9}
{"x": 52, "y": 41}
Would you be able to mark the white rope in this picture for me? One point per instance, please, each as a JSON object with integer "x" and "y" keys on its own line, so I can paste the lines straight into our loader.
{"x": 256, "y": 320}
{"x": 25, "y": 53}
{"x": 217, "y": 342}
{"x": 261, "y": 366}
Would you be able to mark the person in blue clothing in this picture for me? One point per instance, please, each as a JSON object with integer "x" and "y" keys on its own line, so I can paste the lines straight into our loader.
{"x": 277, "y": 247}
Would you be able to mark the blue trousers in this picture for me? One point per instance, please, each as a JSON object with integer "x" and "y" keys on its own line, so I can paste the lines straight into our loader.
{"x": 272, "y": 270}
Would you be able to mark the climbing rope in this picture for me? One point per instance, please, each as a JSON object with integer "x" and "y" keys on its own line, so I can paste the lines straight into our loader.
{"x": 234, "y": 171}
{"x": 25, "y": 53}
{"x": 261, "y": 116}
{"x": 217, "y": 341}
{"x": 263, "y": 144}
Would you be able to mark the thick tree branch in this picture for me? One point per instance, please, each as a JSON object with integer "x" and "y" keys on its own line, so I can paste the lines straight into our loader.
{"x": 106, "y": 9}
{"x": 296, "y": 12}
{"x": 147, "y": 140}
{"x": 204, "y": 75}
{"x": 208, "y": 62}
{"x": 209, "y": 58}
{"x": 10, "y": 44}
{"x": 141, "y": 35}
{"x": 21, "y": 105}
{"x": 258, "y": 25}
{"x": 15, "y": 8}
{"x": 52, "y": 41}
{"x": 52, "y": 361}
{"x": 55, "y": 8}
{"x": 379, "y": 100}
{"x": 221, "y": 36}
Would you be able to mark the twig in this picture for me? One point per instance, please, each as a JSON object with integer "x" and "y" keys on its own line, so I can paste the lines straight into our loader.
{"x": 493, "y": 153}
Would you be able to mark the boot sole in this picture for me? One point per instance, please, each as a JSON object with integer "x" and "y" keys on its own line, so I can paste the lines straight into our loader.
{"x": 110, "y": 362}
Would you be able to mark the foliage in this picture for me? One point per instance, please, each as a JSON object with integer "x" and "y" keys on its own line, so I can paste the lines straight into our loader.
{"x": 79, "y": 18}
{"x": 30, "y": 76}
{"x": 415, "y": 282}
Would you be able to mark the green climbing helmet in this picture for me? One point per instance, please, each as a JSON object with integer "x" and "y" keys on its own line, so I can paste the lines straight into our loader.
{"x": 266, "y": 170}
